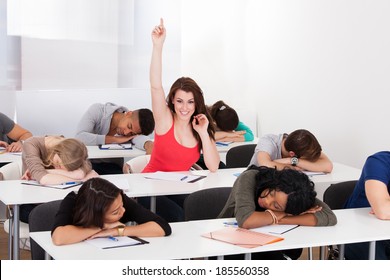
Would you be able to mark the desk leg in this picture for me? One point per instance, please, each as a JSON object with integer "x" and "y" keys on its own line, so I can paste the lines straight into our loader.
{"x": 16, "y": 226}
{"x": 153, "y": 204}
{"x": 10, "y": 229}
{"x": 371, "y": 250}
{"x": 341, "y": 251}
{"x": 47, "y": 256}
{"x": 310, "y": 253}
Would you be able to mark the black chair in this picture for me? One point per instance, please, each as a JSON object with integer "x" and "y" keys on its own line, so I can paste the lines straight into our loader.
{"x": 337, "y": 194}
{"x": 205, "y": 204}
{"x": 42, "y": 219}
{"x": 240, "y": 156}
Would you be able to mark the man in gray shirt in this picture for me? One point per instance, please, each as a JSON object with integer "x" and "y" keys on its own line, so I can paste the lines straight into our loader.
{"x": 299, "y": 150}
{"x": 109, "y": 123}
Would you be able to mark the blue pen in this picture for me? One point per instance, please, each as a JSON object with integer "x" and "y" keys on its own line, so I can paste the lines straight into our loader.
{"x": 69, "y": 183}
{"x": 232, "y": 224}
{"x": 185, "y": 177}
{"x": 113, "y": 238}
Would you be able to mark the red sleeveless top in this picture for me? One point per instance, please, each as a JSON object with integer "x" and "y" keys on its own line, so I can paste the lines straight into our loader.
{"x": 169, "y": 155}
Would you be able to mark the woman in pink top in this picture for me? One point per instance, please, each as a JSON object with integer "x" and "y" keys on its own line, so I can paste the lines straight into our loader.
{"x": 183, "y": 126}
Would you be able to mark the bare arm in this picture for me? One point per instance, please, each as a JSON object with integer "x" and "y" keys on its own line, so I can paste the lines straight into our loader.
{"x": 379, "y": 198}
{"x": 70, "y": 234}
{"x": 161, "y": 112}
{"x": 210, "y": 152}
{"x": 17, "y": 134}
{"x": 323, "y": 164}
{"x": 235, "y": 136}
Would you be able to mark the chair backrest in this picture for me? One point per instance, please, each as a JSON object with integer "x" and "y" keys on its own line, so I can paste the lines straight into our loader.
{"x": 42, "y": 219}
{"x": 12, "y": 170}
{"x": 337, "y": 194}
{"x": 137, "y": 164}
{"x": 205, "y": 204}
{"x": 240, "y": 156}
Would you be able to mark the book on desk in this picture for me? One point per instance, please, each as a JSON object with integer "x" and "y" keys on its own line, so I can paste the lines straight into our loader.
{"x": 242, "y": 237}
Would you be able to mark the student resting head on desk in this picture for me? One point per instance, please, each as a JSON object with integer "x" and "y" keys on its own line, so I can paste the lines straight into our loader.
{"x": 228, "y": 125}
{"x": 372, "y": 190}
{"x": 110, "y": 123}
{"x": 100, "y": 209}
{"x": 298, "y": 150}
{"x": 264, "y": 196}
{"x": 54, "y": 160}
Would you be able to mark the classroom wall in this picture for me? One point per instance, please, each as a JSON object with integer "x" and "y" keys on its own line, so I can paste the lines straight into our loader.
{"x": 319, "y": 65}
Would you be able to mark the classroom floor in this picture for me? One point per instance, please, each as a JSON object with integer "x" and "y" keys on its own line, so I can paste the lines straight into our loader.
{"x": 25, "y": 255}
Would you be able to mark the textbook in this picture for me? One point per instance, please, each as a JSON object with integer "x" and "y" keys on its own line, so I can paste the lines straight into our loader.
{"x": 62, "y": 186}
{"x": 173, "y": 176}
{"x": 115, "y": 242}
{"x": 125, "y": 146}
{"x": 242, "y": 237}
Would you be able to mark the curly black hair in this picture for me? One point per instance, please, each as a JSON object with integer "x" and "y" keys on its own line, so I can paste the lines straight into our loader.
{"x": 297, "y": 185}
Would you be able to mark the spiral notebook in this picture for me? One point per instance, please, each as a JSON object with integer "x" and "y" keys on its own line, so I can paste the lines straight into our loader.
{"x": 242, "y": 237}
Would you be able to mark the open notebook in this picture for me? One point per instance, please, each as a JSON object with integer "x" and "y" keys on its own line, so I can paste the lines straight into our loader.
{"x": 242, "y": 237}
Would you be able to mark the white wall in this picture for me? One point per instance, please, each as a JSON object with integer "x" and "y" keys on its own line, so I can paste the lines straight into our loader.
{"x": 319, "y": 65}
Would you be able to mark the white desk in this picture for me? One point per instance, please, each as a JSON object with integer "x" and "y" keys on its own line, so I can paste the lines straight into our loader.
{"x": 94, "y": 152}
{"x": 9, "y": 157}
{"x": 13, "y": 193}
{"x": 354, "y": 225}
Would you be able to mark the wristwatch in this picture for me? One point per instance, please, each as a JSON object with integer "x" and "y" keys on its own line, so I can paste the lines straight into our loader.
{"x": 121, "y": 230}
{"x": 294, "y": 161}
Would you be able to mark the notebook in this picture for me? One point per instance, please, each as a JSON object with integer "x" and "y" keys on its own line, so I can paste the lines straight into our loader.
{"x": 242, "y": 237}
{"x": 126, "y": 146}
{"x": 115, "y": 242}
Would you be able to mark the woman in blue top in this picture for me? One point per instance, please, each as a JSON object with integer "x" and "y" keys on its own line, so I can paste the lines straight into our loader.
{"x": 372, "y": 190}
{"x": 228, "y": 126}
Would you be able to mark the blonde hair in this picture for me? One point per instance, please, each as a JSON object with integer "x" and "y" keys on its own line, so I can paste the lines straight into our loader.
{"x": 73, "y": 154}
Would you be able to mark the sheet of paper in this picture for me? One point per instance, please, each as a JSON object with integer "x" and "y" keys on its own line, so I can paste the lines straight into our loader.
{"x": 313, "y": 173}
{"x": 275, "y": 229}
{"x": 112, "y": 242}
{"x": 121, "y": 183}
{"x": 173, "y": 176}
{"x": 116, "y": 146}
{"x": 65, "y": 185}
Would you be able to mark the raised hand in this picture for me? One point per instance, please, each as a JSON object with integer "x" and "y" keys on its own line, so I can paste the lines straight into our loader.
{"x": 159, "y": 33}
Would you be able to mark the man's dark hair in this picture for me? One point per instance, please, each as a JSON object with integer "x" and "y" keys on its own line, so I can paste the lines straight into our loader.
{"x": 146, "y": 121}
{"x": 304, "y": 144}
